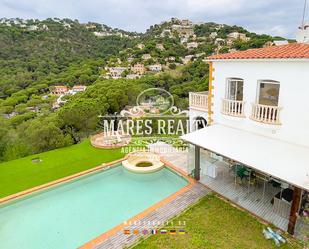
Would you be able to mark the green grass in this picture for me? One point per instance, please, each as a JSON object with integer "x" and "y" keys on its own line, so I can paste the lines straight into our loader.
{"x": 24, "y": 173}
{"x": 213, "y": 223}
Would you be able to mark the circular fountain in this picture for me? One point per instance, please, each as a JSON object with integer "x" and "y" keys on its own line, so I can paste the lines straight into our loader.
{"x": 143, "y": 162}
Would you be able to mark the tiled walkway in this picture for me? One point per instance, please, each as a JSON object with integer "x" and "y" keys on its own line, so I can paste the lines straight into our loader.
{"x": 251, "y": 200}
{"x": 160, "y": 215}
{"x": 171, "y": 154}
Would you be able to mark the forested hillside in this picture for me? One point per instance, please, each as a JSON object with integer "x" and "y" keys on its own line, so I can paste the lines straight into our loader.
{"x": 37, "y": 55}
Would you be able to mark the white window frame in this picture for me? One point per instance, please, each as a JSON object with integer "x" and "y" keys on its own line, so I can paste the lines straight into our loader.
{"x": 227, "y": 87}
{"x": 266, "y": 82}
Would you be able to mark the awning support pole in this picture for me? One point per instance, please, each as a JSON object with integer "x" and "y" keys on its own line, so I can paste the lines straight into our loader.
{"x": 197, "y": 160}
{"x": 294, "y": 209}
{"x": 264, "y": 186}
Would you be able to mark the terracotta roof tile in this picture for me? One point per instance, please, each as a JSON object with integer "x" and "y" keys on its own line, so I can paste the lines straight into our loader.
{"x": 288, "y": 51}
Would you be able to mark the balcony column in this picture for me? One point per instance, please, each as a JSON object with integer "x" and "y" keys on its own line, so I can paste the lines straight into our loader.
{"x": 197, "y": 162}
{"x": 294, "y": 209}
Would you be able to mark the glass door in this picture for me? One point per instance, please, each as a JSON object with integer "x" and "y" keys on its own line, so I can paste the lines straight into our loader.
{"x": 235, "y": 89}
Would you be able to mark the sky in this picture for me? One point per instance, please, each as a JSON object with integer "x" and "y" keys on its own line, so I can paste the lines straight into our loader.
{"x": 274, "y": 17}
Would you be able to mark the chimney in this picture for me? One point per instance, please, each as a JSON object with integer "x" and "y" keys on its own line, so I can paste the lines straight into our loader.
{"x": 302, "y": 35}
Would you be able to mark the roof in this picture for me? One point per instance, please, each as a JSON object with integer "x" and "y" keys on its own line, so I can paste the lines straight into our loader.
{"x": 61, "y": 87}
{"x": 79, "y": 87}
{"x": 288, "y": 51}
{"x": 282, "y": 160}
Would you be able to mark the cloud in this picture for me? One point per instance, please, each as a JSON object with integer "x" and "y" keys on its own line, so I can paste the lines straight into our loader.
{"x": 275, "y": 17}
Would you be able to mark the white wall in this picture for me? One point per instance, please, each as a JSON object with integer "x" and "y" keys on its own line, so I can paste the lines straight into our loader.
{"x": 293, "y": 96}
{"x": 193, "y": 114}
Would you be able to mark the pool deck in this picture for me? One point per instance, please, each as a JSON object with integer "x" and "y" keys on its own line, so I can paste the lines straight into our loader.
{"x": 160, "y": 215}
{"x": 159, "y": 212}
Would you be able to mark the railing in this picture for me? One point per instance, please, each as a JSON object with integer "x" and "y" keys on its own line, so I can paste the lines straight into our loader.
{"x": 199, "y": 100}
{"x": 266, "y": 114}
{"x": 233, "y": 107}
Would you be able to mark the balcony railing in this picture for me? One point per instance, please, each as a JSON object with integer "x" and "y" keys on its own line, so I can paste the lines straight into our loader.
{"x": 199, "y": 100}
{"x": 266, "y": 114}
{"x": 233, "y": 107}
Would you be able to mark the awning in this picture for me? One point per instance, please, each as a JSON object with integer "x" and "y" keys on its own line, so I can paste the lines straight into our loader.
{"x": 285, "y": 161}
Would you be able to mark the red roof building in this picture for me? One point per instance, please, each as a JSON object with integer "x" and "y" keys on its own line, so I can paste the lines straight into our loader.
{"x": 58, "y": 90}
{"x": 289, "y": 51}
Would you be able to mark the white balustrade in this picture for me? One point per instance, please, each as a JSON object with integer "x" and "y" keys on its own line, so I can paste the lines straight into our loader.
{"x": 266, "y": 114}
{"x": 233, "y": 107}
{"x": 198, "y": 100}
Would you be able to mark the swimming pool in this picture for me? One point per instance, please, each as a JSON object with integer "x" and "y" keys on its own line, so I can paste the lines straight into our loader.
{"x": 71, "y": 214}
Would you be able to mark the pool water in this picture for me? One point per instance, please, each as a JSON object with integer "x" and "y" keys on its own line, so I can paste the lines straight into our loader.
{"x": 69, "y": 215}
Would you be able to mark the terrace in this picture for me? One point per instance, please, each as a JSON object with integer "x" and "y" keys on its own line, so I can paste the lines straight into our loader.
{"x": 255, "y": 191}
{"x": 198, "y": 100}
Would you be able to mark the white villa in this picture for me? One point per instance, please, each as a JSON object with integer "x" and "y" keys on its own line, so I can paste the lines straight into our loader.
{"x": 146, "y": 56}
{"x": 213, "y": 35}
{"x": 115, "y": 72}
{"x": 191, "y": 45}
{"x": 155, "y": 67}
{"x": 254, "y": 150}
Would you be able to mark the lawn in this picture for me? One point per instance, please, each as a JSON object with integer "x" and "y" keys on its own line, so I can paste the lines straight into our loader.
{"x": 213, "y": 223}
{"x": 21, "y": 174}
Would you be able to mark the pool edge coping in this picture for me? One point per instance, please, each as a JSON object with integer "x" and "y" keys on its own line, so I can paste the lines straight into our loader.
{"x": 99, "y": 239}
{"x": 65, "y": 179}
{"x": 93, "y": 242}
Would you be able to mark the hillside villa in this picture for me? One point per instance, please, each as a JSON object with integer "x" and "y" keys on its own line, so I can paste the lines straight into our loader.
{"x": 115, "y": 72}
{"x": 58, "y": 90}
{"x": 254, "y": 150}
{"x": 146, "y": 56}
{"x": 78, "y": 89}
{"x": 191, "y": 45}
{"x": 138, "y": 68}
{"x": 140, "y": 46}
{"x": 237, "y": 35}
{"x": 160, "y": 46}
{"x": 155, "y": 67}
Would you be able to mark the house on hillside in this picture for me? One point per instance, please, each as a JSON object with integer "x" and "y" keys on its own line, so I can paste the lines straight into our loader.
{"x": 58, "y": 90}
{"x": 170, "y": 59}
{"x": 32, "y": 28}
{"x": 191, "y": 45}
{"x": 155, "y": 67}
{"x": 185, "y": 60}
{"x": 249, "y": 133}
{"x": 166, "y": 32}
{"x": 139, "y": 69}
{"x": 219, "y": 41}
{"x": 186, "y": 22}
{"x": 133, "y": 76}
{"x": 78, "y": 89}
{"x": 146, "y": 56}
{"x": 140, "y": 46}
{"x": 237, "y": 36}
{"x": 268, "y": 44}
{"x": 130, "y": 59}
{"x": 183, "y": 40}
{"x": 115, "y": 72}
{"x": 160, "y": 46}
{"x": 213, "y": 35}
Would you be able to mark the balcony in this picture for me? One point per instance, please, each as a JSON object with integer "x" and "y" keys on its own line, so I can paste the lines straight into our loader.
{"x": 266, "y": 114}
{"x": 233, "y": 107}
{"x": 199, "y": 100}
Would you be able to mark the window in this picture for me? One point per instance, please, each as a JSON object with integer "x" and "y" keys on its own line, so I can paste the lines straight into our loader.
{"x": 234, "y": 89}
{"x": 268, "y": 92}
{"x": 199, "y": 123}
